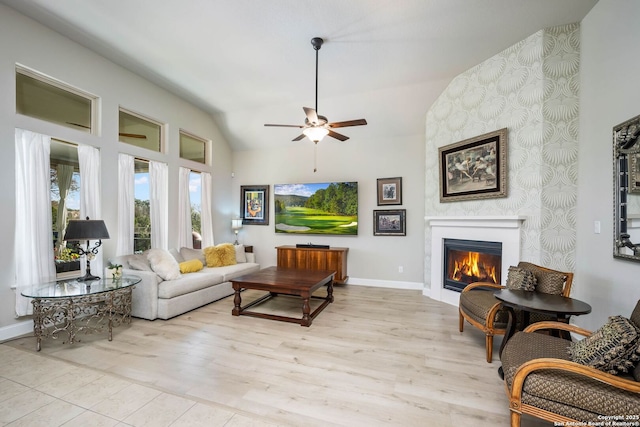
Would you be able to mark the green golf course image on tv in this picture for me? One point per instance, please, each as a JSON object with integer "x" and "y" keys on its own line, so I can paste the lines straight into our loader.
{"x": 319, "y": 208}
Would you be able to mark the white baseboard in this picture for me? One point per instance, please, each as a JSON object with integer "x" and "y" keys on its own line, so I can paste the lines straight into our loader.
{"x": 394, "y": 284}
{"x": 16, "y": 330}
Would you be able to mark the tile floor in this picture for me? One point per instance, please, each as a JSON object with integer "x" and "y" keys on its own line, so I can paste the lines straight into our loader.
{"x": 37, "y": 391}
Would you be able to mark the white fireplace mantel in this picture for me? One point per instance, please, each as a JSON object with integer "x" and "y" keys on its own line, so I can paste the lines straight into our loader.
{"x": 504, "y": 229}
{"x": 514, "y": 221}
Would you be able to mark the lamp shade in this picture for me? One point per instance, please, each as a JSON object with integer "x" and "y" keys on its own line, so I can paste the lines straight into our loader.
{"x": 315, "y": 133}
{"x": 86, "y": 229}
{"x": 236, "y": 224}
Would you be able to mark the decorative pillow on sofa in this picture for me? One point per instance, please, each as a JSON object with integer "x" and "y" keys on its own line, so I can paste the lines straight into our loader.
{"x": 220, "y": 255}
{"x": 191, "y": 266}
{"x": 548, "y": 282}
{"x": 164, "y": 264}
{"x": 614, "y": 348}
{"x": 139, "y": 262}
{"x": 240, "y": 255}
{"x": 188, "y": 254}
{"x": 521, "y": 279}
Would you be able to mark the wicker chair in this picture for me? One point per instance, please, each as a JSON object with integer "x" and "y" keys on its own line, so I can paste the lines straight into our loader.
{"x": 481, "y": 309}
{"x": 542, "y": 381}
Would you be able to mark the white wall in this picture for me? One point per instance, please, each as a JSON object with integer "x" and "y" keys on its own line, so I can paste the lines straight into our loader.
{"x": 26, "y": 42}
{"x": 372, "y": 260}
{"x": 530, "y": 88}
{"x": 610, "y": 89}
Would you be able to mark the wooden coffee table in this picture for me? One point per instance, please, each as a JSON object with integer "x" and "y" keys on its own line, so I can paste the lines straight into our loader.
{"x": 285, "y": 281}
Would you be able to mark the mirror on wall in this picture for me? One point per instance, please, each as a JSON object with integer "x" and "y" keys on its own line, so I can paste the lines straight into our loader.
{"x": 626, "y": 184}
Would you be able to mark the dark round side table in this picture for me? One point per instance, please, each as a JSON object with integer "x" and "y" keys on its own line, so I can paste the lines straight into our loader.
{"x": 558, "y": 306}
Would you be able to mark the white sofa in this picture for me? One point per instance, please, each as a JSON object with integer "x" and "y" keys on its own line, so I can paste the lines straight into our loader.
{"x": 155, "y": 298}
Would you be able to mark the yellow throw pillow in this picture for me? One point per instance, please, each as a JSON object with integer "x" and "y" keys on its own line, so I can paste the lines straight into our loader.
{"x": 191, "y": 266}
{"x": 220, "y": 255}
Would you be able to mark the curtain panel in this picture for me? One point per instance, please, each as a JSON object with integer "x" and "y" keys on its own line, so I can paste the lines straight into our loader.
{"x": 90, "y": 191}
{"x": 159, "y": 204}
{"x": 126, "y": 204}
{"x": 206, "y": 219}
{"x": 33, "y": 238}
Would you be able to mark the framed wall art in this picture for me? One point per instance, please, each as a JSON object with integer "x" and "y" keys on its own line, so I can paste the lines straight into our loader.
{"x": 389, "y": 191}
{"x": 475, "y": 168}
{"x": 254, "y": 204}
{"x": 390, "y": 222}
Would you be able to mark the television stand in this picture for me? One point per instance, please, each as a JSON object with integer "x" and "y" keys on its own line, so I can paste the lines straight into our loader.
{"x": 315, "y": 258}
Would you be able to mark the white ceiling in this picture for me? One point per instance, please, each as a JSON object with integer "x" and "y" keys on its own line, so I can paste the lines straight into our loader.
{"x": 250, "y": 62}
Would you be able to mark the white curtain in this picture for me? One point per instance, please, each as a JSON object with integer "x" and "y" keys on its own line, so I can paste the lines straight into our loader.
{"x": 126, "y": 204}
{"x": 159, "y": 204}
{"x": 33, "y": 237}
{"x": 185, "y": 236}
{"x": 64, "y": 173}
{"x": 206, "y": 218}
{"x": 89, "y": 160}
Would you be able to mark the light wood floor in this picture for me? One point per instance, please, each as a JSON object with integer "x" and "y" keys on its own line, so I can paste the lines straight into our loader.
{"x": 374, "y": 357}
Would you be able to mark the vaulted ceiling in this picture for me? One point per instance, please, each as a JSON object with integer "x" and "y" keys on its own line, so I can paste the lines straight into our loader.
{"x": 250, "y": 62}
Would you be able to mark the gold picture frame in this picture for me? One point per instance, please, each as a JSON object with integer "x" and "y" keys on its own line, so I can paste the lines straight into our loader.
{"x": 475, "y": 168}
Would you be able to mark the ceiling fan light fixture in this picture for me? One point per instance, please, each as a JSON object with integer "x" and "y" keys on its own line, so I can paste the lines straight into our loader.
{"x": 315, "y": 133}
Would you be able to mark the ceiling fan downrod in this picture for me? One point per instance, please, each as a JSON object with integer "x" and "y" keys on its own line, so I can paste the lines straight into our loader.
{"x": 316, "y": 42}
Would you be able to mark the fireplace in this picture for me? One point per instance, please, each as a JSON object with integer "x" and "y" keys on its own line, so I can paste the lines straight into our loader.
{"x": 470, "y": 261}
{"x": 503, "y": 229}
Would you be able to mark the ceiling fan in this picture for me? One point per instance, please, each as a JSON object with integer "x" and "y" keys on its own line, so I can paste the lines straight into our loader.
{"x": 316, "y": 126}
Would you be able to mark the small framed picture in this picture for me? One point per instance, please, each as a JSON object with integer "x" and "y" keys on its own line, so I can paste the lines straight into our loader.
{"x": 389, "y": 191}
{"x": 390, "y": 222}
{"x": 254, "y": 204}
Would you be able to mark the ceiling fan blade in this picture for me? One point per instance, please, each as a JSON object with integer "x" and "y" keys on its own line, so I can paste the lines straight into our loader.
{"x": 358, "y": 122}
{"x": 312, "y": 115}
{"x": 337, "y": 135}
{"x": 133, "y": 135}
{"x": 299, "y": 137}
{"x": 285, "y": 126}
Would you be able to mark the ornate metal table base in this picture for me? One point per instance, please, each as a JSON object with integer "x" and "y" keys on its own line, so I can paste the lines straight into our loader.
{"x": 83, "y": 313}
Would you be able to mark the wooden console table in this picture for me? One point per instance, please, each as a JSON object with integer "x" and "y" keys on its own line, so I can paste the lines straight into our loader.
{"x": 315, "y": 259}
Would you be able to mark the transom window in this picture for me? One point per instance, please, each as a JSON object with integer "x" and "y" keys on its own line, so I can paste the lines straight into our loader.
{"x": 44, "y": 98}
{"x": 140, "y": 131}
{"x": 193, "y": 147}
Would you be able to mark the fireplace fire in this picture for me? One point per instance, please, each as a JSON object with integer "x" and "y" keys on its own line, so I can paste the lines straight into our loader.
{"x": 470, "y": 261}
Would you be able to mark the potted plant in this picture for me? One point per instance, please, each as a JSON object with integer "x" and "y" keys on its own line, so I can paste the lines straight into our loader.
{"x": 115, "y": 271}
{"x": 67, "y": 260}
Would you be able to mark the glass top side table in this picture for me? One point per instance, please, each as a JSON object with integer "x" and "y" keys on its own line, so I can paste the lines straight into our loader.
{"x": 70, "y": 307}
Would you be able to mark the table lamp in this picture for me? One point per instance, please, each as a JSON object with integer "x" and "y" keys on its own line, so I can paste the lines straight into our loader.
{"x": 236, "y": 224}
{"x": 89, "y": 229}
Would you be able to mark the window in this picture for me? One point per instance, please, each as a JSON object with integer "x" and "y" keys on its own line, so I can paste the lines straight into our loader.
{"x": 142, "y": 214}
{"x": 195, "y": 198}
{"x": 193, "y": 147}
{"x": 140, "y": 131}
{"x": 44, "y": 98}
{"x": 65, "y": 204}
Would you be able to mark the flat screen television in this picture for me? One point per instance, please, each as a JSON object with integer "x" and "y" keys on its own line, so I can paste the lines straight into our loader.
{"x": 318, "y": 208}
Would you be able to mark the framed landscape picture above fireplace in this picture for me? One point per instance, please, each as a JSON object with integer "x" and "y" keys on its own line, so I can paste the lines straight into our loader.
{"x": 475, "y": 168}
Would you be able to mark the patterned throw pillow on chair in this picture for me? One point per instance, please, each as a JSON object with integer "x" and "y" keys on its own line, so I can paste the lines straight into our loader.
{"x": 614, "y": 348}
{"x": 520, "y": 279}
